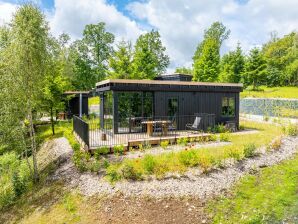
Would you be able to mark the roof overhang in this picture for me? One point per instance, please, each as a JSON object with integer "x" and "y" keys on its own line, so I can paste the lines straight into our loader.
{"x": 158, "y": 85}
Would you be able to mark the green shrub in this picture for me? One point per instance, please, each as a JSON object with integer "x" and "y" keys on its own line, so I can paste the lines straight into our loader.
{"x": 147, "y": 145}
{"x": 80, "y": 159}
{"x": 18, "y": 184}
{"x": 164, "y": 144}
{"x": 113, "y": 174}
{"x": 101, "y": 151}
{"x": 234, "y": 153}
{"x": 130, "y": 170}
{"x": 140, "y": 147}
{"x": 205, "y": 163}
{"x": 292, "y": 130}
{"x": 188, "y": 158}
{"x": 212, "y": 138}
{"x": 106, "y": 163}
{"x": 220, "y": 128}
{"x": 149, "y": 163}
{"x": 249, "y": 150}
{"x": 94, "y": 166}
{"x": 275, "y": 144}
{"x": 76, "y": 146}
{"x": 182, "y": 141}
{"x": 118, "y": 149}
{"x": 224, "y": 137}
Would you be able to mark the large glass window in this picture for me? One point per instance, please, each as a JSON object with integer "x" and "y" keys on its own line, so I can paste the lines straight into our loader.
{"x": 228, "y": 107}
{"x": 108, "y": 110}
{"x": 133, "y": 108}
{"x": 172, "y": 107}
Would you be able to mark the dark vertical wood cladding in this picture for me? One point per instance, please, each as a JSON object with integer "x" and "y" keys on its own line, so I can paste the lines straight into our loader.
{"x": 197, "y": 102}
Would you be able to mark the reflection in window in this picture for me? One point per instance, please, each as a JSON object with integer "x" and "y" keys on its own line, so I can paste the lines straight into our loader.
{"x": 133, "y": 107}
{"x": 228, "y": 107}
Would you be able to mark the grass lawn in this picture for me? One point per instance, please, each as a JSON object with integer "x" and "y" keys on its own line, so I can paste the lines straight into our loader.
{"x": 268, "y": 197}
{"x": 274, "y": 92}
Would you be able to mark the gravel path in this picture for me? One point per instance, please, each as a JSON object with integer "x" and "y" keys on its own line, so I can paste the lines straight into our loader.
{"x": 193, "y": 183}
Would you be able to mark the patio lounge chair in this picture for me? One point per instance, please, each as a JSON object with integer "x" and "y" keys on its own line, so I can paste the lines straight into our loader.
{"x": 195, "y": 126}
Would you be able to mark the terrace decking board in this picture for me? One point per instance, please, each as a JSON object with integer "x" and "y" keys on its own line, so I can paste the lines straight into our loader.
{"x": 134, "y": 140}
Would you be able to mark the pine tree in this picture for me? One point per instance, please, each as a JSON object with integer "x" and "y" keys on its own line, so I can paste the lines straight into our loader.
{"x": 232, "y": 66}
{"x": 121, "y": 61}
{"x": 256, "y": 69}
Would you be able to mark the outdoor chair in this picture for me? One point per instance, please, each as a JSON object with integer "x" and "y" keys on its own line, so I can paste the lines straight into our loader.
{"x": 195, "y": 126}
{"x": 173, "y": 124}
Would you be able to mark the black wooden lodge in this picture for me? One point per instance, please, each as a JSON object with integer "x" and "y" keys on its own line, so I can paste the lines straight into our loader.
{"x": 126, "y": 104}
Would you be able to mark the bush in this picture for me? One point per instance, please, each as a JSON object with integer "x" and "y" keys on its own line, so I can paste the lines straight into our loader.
{"x": 101, "y": 151}
{"x": 118, "y": 149}
{"x": 224, "y": 137}
{"x": 15, "y": 178}
{"x": 212, "y": 138}
{"x": 205, "y": 163}
{"x": 292, "y": 130}
{"x": 182, "y": 141}
{"x": 249, "y": 150}
{"x": 147, "y": 145}
{"x": 18, "y": 184}
{"x": 234, "y": 153}
{"x": 80, "y": 159}
{"x": 220, "y": 128}
{"x": 130, "y": 170}
{"x": 164, "y": 144}
{"x": 275, "y": 144}
{"x": 149, "y": 163}
{"x": 140, "y": 147}
{"x": 188, "y": 158}
{"x": 113, "y": 174}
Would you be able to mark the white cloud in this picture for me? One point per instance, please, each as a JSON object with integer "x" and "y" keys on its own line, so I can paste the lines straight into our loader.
{"x": 182, "y": 23}
{"x": 71, "y": 17}
{"x": 6, "y": 12}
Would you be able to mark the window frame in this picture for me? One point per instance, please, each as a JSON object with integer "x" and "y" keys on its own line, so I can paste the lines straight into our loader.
{"x": 229, "y": 99}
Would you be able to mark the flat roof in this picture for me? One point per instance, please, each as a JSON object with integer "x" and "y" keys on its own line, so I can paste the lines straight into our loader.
{"x": 166, "y": 82}
{"x": 166, "y": 86}
{"x": 75, "y": 92}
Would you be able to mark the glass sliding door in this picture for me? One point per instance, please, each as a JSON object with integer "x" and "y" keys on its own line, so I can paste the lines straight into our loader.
{"x": 133, "y": 108}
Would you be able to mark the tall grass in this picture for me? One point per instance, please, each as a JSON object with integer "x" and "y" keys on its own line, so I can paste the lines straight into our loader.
{"x": 205, "y": 158}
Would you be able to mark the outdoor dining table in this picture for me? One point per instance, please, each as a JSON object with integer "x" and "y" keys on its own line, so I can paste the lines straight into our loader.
{"x": 164, "y": 126}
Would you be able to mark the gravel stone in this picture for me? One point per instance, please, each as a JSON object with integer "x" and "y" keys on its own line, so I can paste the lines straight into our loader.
{"x": 193, "y": 183}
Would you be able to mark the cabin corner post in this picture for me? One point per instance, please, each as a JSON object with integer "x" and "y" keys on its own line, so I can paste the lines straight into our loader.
{"x": 115, "y": 112}
{"x": 101, "y": 110}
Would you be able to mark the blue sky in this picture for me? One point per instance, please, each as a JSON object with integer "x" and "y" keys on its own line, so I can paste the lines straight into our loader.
{"x": 181, "y": 23}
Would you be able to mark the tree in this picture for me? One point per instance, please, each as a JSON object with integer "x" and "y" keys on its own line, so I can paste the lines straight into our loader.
{"x": 216, "y": 31}
{"x": 279, "y": 54}
{"x": 90, "y": 56}
{"x": 232, "y": 66}
{"x": 56, "y": 80}
{"x": 26, "y": 63}
{"x": 184, "y": 70}
{"x": 149, "y": 59}
{"x": 121, "y": 61}
{"x": 99, "y": 43}
{"x": 206, "y": 67}
{"x": 207, "y": 56}
{"x": 255, "y": 70}
{"x": 84, "y": 76}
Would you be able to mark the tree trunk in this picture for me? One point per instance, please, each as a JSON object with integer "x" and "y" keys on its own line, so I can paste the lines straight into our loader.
{"x": 33, "y": 147}
{"x": 52, "y": 122}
